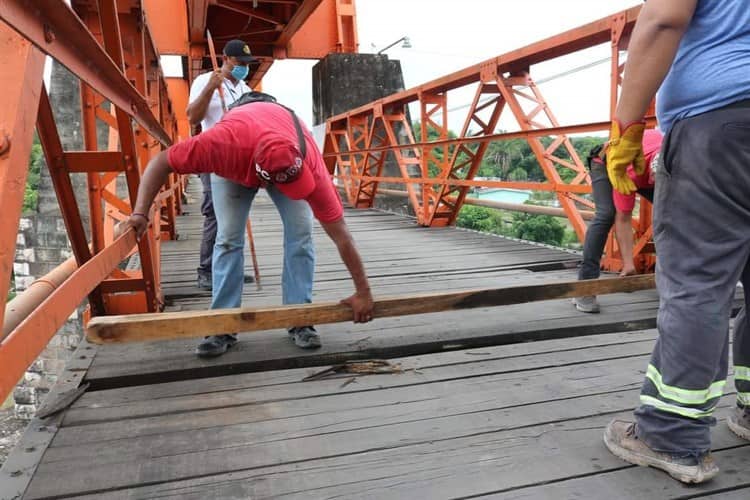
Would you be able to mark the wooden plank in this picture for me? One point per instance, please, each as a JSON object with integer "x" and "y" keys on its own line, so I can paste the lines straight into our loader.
{"x": 530, "y": 444}
{"x": 207, "y": 394}
{"x": 125, "y": 364}
{"x": 528, "y": 351}
{"x": 476, "y": 469}
{"x": 141, "y": 327}
{"x": 229, "y": 448}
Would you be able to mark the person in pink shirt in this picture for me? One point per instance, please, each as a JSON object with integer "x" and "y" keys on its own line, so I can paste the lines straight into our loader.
{"x": 613, "y": 208}
{"x": 624, "y": 203}
{"x": 261, "y": 145}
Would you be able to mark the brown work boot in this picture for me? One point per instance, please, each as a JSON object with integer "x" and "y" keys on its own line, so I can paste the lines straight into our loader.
{"x": 621, "y": 439}
{"x": 739, "y": 422}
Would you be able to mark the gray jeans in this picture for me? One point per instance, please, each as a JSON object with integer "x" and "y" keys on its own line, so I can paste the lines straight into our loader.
{"x": 598, "y": 230}
{"x": 702, "y": 236}
{"x": 209, "y": 228}
{"x": 604, "y": 217}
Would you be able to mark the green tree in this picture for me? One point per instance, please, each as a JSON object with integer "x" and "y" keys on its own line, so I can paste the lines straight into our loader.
{"x": 518, "y": 175}
{"x": 539, "y": 228}
{"x": 31, "y": 192}
{"x": 482, "y": 219}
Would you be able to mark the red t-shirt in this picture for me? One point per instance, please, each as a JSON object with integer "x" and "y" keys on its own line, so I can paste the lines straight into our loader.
{"x": 651, "y": 147}
{"x": 228, "y": 150}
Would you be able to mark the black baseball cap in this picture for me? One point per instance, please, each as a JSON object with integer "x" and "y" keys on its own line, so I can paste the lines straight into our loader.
{"x": 240, "y": 50}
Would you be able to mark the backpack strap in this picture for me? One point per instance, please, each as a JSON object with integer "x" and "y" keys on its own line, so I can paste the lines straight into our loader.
{"x": 300, "y": 134}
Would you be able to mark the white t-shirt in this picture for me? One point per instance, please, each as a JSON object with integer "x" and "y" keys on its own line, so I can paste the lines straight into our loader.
{"x": 214, "y": 112}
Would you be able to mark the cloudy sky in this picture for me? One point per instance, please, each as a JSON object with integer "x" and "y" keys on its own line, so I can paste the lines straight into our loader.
{"x": 449, "y": 35}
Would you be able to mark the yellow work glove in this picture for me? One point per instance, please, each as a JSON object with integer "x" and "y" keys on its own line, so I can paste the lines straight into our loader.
{"x": 625, "y": 148}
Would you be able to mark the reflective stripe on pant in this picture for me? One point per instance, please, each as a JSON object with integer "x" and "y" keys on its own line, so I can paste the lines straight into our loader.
{"x": 702, "y": 236}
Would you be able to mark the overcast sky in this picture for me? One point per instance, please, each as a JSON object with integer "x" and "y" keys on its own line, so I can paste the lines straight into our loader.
{"x": 449, "y": 35}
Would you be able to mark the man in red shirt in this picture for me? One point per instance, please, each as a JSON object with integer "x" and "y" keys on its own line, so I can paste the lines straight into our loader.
{"x": 256, "y": 145}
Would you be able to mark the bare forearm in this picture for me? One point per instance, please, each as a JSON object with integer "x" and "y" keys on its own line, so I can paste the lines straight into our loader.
{"x": 624, "y": 235}
{"x": 197, "y": 109}
{"x": 353, "y": 262}
{"x": 339, "y": 233}
{"x": 153, "y": 179}
{"x": 651, "y": 51}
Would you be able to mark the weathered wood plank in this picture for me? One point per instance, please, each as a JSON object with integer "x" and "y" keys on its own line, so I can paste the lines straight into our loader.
{"x": 142, "y": 327}
{"x": 158, "y": 362}
{"x": 513, "y": 353}
{"x": 495, "y": 459}
{"x": 210, "y": 394}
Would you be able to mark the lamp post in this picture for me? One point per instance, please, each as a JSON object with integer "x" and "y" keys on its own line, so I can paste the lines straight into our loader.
{"x": 405, "y": 45}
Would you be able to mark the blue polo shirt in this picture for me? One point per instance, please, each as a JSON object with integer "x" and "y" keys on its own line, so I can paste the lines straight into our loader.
{"x": 712, "y": 66}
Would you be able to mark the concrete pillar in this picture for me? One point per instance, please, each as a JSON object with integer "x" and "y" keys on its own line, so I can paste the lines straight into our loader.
{"x": 342, "y": 82}
{"x": 345, "y": 81}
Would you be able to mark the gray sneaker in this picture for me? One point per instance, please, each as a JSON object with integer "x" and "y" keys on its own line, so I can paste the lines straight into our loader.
{"x": 739, "y": 422}
{"x": 621, "y": 439}
{"x": 587, "y": 304}
{"x": 215, "y": 345}
{"x": 305, "y": 337}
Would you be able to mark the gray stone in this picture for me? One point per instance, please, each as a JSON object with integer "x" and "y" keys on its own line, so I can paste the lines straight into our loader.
{"x": 342, "y": 82}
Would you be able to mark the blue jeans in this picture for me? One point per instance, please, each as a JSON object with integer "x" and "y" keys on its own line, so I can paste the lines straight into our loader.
{"x": 232, "y": 206}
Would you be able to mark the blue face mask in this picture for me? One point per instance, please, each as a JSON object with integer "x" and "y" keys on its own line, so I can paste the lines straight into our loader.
{"x": 240, "y": 72}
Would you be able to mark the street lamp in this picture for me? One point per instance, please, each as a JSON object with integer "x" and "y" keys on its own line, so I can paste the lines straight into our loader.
{"x": 405, "y": 45}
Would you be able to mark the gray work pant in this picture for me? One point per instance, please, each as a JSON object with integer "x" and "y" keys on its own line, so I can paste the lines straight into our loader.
{"x": 702, "y": 236}
{"x": 209, "y": 228}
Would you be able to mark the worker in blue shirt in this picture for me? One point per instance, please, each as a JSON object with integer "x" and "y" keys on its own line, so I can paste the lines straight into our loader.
{"x": 697, "y": 54}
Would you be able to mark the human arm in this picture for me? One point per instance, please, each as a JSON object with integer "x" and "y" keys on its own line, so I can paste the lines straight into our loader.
{"x": 199, "y": 100}
{"x": 361, "y": 302}
{"x": 153, "y": 179}
{"x": 624, "y": 235}
{"x": 651, "y": 51}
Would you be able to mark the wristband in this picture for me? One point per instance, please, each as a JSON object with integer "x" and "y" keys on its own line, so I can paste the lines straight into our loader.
{"x": 140, "y": 214}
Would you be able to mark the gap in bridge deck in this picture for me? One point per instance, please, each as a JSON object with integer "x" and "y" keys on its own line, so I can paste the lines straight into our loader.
{"x": 401, "y": 257}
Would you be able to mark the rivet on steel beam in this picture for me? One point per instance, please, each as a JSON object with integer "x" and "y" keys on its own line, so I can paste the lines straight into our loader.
{"x": 49, "y": 35}
{"x": 4, "y": 143}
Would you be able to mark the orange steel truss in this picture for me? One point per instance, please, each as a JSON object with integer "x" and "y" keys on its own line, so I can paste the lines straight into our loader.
{"x": 108, "y": 46}
{"x": 114, "y": 48}
{"x": 436, "y": 175}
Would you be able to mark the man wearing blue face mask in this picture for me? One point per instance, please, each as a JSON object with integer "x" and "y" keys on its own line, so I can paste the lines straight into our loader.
{"x": 205, "y": 109}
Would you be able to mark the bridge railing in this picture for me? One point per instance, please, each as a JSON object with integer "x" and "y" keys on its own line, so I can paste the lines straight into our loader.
{"x": 436, "y": 175}
{"x": 112, "y": 52}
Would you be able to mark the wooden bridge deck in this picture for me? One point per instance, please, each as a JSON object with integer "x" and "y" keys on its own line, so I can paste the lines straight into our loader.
{"x": 472, "y": 409}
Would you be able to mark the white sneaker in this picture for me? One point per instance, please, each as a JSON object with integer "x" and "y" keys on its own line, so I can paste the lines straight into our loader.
{"x": 587, "y": 304}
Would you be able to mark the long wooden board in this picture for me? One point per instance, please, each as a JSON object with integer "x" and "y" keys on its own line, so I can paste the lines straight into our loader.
{"x": 147, "y": 327}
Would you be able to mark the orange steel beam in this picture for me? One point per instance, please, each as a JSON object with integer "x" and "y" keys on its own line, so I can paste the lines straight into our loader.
{"x": 331, "y": 27}
{"x": 589, "y": 35}
{"x": 21, "y": 347}
{"x": 169, "y": 32}
{"x": 54, "y": 28}
{"x": 53, "y": 152}
{"x": 21, "y": 83}
{"x": 197, "y": 13}
{"x": 448, "y": 166}
{"x": 147, "y": 249}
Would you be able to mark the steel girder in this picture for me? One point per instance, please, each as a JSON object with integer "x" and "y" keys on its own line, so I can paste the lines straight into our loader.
{"x": 354, "y": 150}
{"x": 108, "y": 45}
